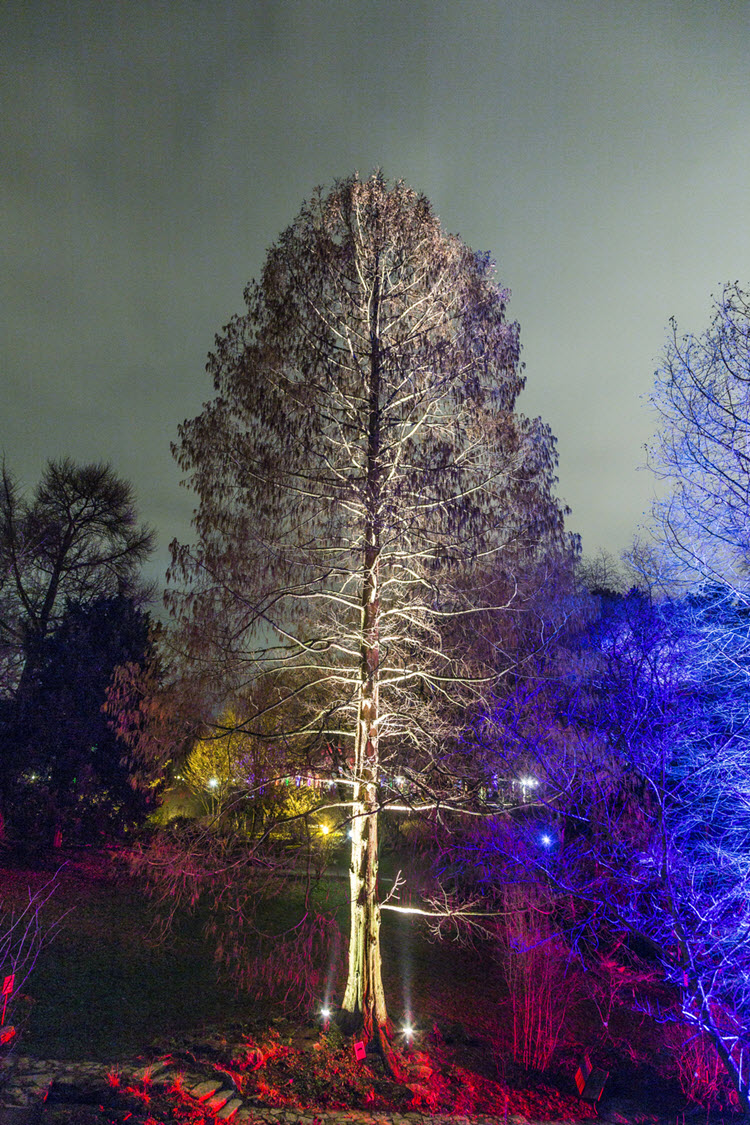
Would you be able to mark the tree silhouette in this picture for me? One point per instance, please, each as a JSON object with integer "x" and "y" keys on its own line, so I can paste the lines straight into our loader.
{"x": 74, "y": 541}
{"x": 74, "y": 772}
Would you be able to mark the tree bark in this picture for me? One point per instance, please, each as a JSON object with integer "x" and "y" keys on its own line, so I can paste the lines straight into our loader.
{"x": 364, "y": 999}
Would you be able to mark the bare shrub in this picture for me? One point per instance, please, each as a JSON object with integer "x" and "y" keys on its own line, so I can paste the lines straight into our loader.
{"x": 701, "y": 1074}
{"x": 540, "y": 974}
{"x": 22, "y": 935}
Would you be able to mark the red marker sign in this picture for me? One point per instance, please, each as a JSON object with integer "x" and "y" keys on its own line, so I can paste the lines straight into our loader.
{"x": 360, "y": 1050}
{"x": 7, "y": 991}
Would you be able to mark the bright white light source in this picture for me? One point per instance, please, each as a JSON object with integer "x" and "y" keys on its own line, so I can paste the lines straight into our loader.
{"x": 213, "y": 783}
{"x": 325, "y": 1013}
{"x": 408, "y": 1031}
{"x": 325, "y": 829}
{"x": 528, "y": 782}
{"x": 546, "y": 841}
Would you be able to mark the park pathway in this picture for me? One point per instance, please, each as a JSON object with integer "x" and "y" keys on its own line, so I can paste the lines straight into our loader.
{"x": 89, "y": 1093}
{"x": 44, "y": 1092}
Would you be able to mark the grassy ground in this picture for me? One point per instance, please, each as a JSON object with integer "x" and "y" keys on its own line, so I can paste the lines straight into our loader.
{"x": 103, "y": 988}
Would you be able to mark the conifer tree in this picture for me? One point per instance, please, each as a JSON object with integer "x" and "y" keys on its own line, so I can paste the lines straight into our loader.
{"x": 367, "y": 497}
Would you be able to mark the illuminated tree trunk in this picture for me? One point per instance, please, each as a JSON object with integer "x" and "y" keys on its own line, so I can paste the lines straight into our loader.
{"x": 364, "y": 999}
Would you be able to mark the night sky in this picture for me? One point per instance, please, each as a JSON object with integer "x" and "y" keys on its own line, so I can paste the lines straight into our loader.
{"x": 151, "y": 152}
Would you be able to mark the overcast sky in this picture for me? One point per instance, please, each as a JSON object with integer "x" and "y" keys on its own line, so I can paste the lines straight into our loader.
{"x": 151, "y": 152}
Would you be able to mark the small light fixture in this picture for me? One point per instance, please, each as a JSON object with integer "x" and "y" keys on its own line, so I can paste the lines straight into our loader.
{"x": 546, "y": 840}
{"x": 213, "y": 783}
{"x": 325, "y": 829}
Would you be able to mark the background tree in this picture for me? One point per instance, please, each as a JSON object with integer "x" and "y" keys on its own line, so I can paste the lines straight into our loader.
{"x": 364, "y": 485}
{"x": 702, "y": 395}
{"x": 74, "y": 542}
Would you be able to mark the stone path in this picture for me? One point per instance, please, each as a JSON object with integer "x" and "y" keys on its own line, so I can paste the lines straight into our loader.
{"x": 51, "y": 1092}
{"x": 37, "y": 1090}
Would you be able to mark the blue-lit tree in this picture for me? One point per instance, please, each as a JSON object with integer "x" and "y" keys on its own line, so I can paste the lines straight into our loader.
{"x": 702, "y": 452}
{"x": 639, "y": 737}
{"x": 642, "y": 808}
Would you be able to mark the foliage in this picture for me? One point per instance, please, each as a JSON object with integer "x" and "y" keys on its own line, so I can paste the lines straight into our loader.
{"x": 640, "y": 815}
{"x": 151, "y": 704}
{"x": 239, "y": 777}
{"x": 72, "y": 545}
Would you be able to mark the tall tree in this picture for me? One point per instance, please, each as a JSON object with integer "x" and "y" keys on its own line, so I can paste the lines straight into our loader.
{"x": 702, "y": 394}
{"x": 365, "y": 489}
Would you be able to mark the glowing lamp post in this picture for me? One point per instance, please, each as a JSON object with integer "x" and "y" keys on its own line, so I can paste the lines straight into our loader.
{"x": 527, "y": 783}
